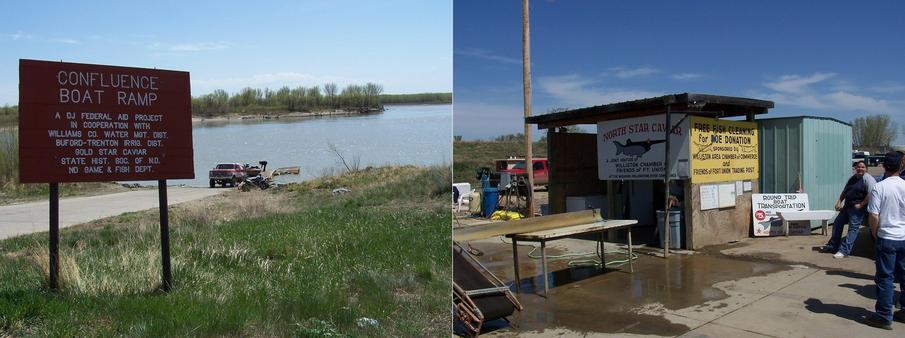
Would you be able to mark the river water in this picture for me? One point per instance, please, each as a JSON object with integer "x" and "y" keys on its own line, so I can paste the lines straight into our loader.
{"x": 411, "y": 134}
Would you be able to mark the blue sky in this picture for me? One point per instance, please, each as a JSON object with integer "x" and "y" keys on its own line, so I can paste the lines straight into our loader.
{"x": 406, "y": 46}
{"x": 840, "y": 59}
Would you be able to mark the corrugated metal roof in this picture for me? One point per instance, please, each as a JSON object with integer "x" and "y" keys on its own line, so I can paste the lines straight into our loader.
{"x": 728, "y": 105}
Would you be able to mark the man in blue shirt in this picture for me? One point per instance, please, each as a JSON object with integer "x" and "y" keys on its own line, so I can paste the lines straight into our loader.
{"x": 887, "y": 226}
{"x": 852, "y": 207}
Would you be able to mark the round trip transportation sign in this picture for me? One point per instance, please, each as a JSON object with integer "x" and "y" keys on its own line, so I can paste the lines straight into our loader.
{"x": 87, "y": 123}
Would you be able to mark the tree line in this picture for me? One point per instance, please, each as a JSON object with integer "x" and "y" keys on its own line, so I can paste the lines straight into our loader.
{"x": 306, "y": 99}
{"x": 8, "y": 110}
{"x": 874, "y": 132}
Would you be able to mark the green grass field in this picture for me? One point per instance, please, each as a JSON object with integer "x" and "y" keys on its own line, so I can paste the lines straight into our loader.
{"x": 468, "y": 156}
{"x": 291, "y": 262}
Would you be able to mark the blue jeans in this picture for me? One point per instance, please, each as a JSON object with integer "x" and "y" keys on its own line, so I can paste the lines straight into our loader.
{"x": 854, "y": 218}
{"x": 890, "y": 266}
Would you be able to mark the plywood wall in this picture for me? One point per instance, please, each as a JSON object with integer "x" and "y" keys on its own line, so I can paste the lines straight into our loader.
{"x": 573, "y": 168}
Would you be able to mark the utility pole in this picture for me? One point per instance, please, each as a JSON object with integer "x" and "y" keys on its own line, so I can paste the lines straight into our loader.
{"x": 526, "y": 74}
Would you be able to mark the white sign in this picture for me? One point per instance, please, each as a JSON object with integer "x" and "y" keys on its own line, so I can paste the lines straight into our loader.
{"x": 727, "y": 195}
{"x": 634, "y": 149}
{"x": 765, "y": 206}
{"x": 739, "y": 188}
{"x": 747, "y": 186}
{"x": 710, "y": 197}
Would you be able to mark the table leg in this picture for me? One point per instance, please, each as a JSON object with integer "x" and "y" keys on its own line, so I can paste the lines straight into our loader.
{"x": 518, "y": 280}
{"x": 631, "y": 267}
{"x": 602, "y": 252}
{"x": 543, "y": 253}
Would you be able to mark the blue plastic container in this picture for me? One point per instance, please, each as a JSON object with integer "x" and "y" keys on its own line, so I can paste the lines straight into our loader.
{"x": 489, "y": 201}
{"x": 489, "y": 197}
{"x": 675, "y": 231}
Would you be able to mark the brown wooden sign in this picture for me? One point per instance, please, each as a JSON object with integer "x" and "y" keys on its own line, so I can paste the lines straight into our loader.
{"x": 87, "y": 123}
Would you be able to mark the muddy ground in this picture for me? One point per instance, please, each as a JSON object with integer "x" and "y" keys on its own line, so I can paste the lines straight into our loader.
{"x": 757, "y": 287}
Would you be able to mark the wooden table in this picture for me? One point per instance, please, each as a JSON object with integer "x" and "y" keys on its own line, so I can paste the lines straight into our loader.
{"x": 811, "y": 215}
{"x": 548, "y": 235}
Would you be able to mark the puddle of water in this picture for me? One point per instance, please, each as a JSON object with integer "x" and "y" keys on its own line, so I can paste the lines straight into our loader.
{"x": 610, "y": 301}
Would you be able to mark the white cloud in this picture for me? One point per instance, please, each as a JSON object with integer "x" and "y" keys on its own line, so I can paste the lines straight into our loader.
{"x": 20, "y": 36}
{"x": 854, "y": 102}
{"x": 575, "y": 91}
{"x": 687, "y": 76}
{"x": 189, "y": 47}
{"x": 67, "y": 41}
{"x": 627, "y": 73}
{"x": 197, "y": 47}
{"x": 25, "y": 36}
{"x": 817, "y": 92}
{"x": 888, "y": 87}
{"x": 797, "y": 84}
{"x": 485, "y": 54}
{"x": 831, "y": 102}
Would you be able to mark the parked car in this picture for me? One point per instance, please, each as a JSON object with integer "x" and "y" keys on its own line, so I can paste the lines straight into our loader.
{"x": 873, "y": 160}
{"x": 514, "y": 167}
{"x": 227, "y": 174}
{"x": 860, "y": 156}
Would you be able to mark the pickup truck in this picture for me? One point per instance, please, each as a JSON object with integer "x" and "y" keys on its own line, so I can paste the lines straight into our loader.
{"x": 516, "y": 167}
{"x": 227, "y": 173}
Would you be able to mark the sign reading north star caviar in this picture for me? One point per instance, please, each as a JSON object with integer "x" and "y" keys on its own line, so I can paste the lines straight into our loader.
{"x": 722, "y": 150}
{"x": 88, "y": 123}
{"x": 635, "y": 148}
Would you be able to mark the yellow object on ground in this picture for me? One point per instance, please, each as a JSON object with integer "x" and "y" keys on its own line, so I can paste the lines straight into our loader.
{"x": 502, "y": 215}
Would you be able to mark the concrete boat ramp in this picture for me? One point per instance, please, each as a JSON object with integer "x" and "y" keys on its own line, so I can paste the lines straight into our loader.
{"x": 26, "y": 218}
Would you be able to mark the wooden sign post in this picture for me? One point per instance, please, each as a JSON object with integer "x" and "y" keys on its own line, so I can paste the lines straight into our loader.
{"x": 96, "y": 123}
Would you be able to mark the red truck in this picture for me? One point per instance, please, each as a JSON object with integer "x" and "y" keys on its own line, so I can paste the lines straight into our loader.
{"x": 227, "y": 173}
{"x": 513, "y": 167}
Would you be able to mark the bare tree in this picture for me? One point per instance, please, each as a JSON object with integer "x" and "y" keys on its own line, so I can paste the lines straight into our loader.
{"x": 873, "y": 131}
{"x": 354, "y": 163}
{"x": 903, "y": 131}
{"x": 330, "y": 92}
{"x": 373, "y": 91}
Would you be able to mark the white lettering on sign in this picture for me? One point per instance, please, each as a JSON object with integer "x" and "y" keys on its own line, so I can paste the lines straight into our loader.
{"x": 765, "y": 206}
{"x": 135, "y": 99}
{"x": 94, "y": 123}
{"x": 80, "y": 96}
{"x": 98, "y": 148}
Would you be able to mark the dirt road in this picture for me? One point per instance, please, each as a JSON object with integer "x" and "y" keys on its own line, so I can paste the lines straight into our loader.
{"x": 32, "y": 217}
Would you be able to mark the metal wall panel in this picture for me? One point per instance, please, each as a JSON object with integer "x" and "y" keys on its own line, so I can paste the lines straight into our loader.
{"x": 816, "y": 149}
{"x": 780, "y": 154}
{"x": 827, "y": 160}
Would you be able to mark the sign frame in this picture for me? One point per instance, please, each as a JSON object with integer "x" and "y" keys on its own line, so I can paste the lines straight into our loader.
{"x": 95, "y": 123}
{"x": 45, "y": 104}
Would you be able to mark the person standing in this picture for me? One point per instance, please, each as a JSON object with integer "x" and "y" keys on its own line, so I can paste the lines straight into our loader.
{"x": 887, "y": 226}
{"x": 852, "y": 207}
{"x": 902, "y": 175}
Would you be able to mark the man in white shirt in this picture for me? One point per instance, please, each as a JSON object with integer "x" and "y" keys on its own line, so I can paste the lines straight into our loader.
{"x": 887, "y": 226}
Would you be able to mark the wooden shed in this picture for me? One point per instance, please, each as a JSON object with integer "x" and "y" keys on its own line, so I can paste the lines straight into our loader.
{"x": 611, "y": 165}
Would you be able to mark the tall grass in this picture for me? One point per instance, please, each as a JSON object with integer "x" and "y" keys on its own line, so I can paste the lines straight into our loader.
{"x": 295, "y": 262}
{"x": 12, "y": 191}
{"x": 9, "y": 157}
